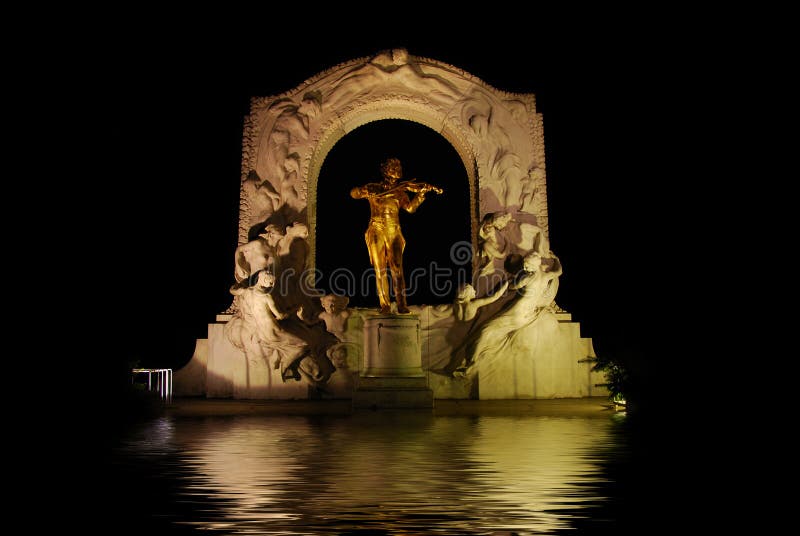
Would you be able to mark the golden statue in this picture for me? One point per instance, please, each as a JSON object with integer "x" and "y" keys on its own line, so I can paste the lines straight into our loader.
{"x": 384, "y": 240}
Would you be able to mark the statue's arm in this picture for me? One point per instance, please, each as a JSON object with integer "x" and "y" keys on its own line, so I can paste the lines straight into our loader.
{"x": 272, "y": 307}
{"x": 501, "y": 290}
{"x": 360, "y": 192}
{"x": 522, "y": 281}
{"x": 413, "y": 205}
{"x": 420, "y": 188}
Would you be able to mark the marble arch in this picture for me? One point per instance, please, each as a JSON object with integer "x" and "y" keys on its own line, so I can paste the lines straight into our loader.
{"x": 498, "y": 136}
{"x": 521, "y": 346}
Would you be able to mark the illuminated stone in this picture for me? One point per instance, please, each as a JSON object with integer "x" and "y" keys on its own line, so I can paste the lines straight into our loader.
{"x": 392, "y": 346}
{"x": 498, "y": 135}
{"x": 487, "y": 346}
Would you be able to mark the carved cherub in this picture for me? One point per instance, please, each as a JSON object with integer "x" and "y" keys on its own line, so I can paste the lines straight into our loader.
{"x": 335, "y": 314}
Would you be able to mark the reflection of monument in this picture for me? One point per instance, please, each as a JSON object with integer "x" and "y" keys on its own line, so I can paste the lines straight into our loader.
{"x": 504, "y": 338}
{"x": 385, "y": 241}
{"x": 281, "y": 474}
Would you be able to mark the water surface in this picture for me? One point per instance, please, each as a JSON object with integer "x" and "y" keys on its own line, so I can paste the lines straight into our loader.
{"x": 370, "y": 473}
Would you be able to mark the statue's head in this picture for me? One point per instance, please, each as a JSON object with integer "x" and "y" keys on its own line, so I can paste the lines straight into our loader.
{"x": 265, "y": 279}
{"x": 272, "y": 234}
{"x": 532, "y": 262}
{"x": 298, "y": 229}
{"x": 334, "y": 304}
{"x": 466, "y": 292}
{"x": 338, "y": 355}
{"x": 501, "y": 219}
{"x": 391, "y": 169}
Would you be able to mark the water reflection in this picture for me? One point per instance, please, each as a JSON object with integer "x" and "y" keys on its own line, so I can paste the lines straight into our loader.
{"x": 394, "y": 473}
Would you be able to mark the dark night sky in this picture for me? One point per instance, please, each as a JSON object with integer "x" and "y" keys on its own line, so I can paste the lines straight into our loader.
{"x": 170, "y": 129}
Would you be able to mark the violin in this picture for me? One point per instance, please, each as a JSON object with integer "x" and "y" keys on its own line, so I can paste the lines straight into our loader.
{"x": 412, "y": 186}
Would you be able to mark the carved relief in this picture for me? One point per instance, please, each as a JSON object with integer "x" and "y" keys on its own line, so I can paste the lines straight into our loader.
{"x": 335, "y": 314}
{"x": 516, "y": 325}
{"x": 276, "y": 322}
{"x": 505, "y": 319}
{"x": 500, "y": 237}
{"x": 286, "y": 138}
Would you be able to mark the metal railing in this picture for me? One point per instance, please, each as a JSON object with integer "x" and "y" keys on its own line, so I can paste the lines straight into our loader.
{"x": 162, "y": 383}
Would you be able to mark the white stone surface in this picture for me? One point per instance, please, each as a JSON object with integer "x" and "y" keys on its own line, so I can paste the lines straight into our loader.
{"x": 190, "y": 380}
{"x": 392, "y": 346}
{"x": 554, "y": 366}
{"x": 596, "y": 379}
{"x": 223, "y": 359}
{"x": 346, "y": 356}
{"x": 232, "y": 375}
{"x": 255, "y": 380}
{"x": 544, "y": 366}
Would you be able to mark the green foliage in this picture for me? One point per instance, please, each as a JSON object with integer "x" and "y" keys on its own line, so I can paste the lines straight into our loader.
{"x": 617, "y": 376}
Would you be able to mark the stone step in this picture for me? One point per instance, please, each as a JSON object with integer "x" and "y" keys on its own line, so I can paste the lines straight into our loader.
{"x": 392, "y": 383}
{"x": 393, "y": 399}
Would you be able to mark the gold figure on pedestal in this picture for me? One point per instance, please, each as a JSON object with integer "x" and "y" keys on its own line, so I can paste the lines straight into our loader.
{"x": 384, "y": 240}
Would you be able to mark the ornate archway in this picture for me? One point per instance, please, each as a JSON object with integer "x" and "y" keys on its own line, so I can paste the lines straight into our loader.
{"x": 498, "y": 136}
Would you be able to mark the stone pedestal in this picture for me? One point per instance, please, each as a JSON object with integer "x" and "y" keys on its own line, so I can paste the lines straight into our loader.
{"x": 392, "y": 375}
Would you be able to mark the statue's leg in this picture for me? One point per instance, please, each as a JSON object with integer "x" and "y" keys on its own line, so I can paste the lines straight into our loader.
{"x": 376, "y": 246}
{"x": 398, "y": 245}
{"x": 382, "y": 282}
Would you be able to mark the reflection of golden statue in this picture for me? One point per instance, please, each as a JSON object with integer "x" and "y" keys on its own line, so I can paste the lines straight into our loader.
{"x": 385, "y": 242}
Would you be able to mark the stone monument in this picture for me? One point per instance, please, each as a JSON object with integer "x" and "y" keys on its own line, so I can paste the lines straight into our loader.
{"x": 504, "y": 337}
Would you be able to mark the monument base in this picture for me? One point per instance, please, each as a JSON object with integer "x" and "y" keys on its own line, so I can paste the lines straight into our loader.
{"x": 393, "y": 393}
{"x": 392, "y": 376}
{"x": 556, "y": 363}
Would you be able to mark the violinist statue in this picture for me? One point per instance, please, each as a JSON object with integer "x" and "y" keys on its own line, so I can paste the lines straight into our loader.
{"x": 384, "y": 240}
